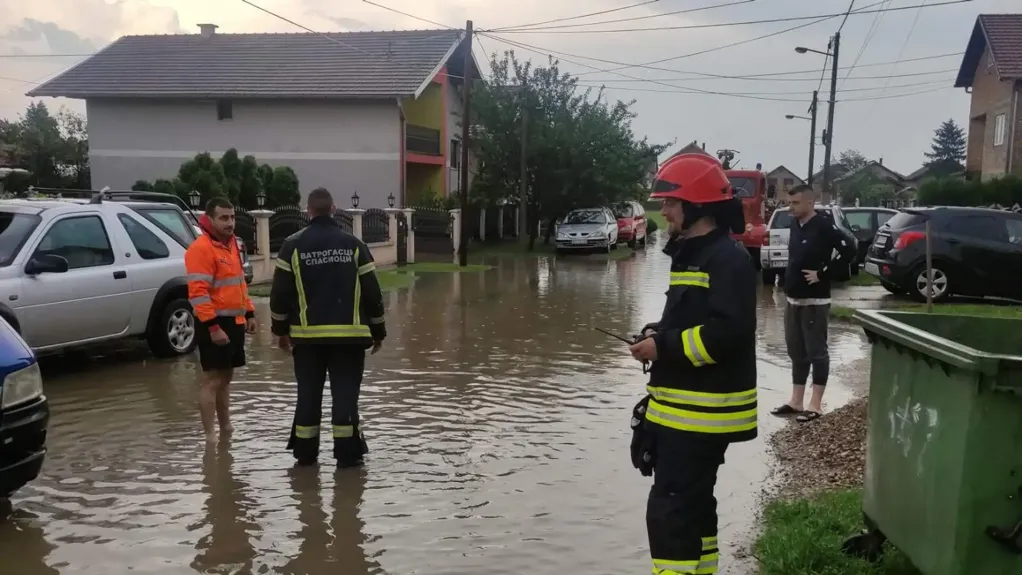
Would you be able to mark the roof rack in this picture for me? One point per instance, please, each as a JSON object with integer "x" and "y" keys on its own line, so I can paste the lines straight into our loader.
{"x": 97, "y": 196}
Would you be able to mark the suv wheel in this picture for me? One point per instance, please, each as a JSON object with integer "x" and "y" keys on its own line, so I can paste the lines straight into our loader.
{"x": 174, "y": 334}
{"x": 941, "y": 284}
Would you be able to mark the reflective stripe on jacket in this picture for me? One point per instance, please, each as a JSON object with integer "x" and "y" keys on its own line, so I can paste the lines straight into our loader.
{"x": 216, "y": 281}
{"x": 325, "y": 288}
{"x": 704, "y": 378}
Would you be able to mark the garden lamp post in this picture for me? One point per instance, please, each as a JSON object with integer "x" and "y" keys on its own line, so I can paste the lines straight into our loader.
{"x": 391, "y": 200}
{"x": 260, "y": 199}
{"x": 195, "y": 197}
{"x": 354, "y": 199}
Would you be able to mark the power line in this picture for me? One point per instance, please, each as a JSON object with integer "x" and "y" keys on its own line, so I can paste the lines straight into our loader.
{"x": 632, "y": 19}
{"x": 758, "y": 79}
{"x": 930, "y": 83}
{"x": 873, "y": 27}
{"x": 345, "y": 44}
{"x": 728, "y": 24}
{"x": 847, "y": 14}
{"x": 600, "y": 13}
{"x": 738, "y": 43}
{"x": 901, "y": 52}
{"x": 396, "y": 11}
{"x": 623, "y": 66}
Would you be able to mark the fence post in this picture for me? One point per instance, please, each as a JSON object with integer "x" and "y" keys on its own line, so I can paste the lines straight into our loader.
{"x": 392, "y": 224}
{"x": 456, "y": 229}
{"x": 500, "y": 223}
{"x": 356, "y": 221}
{"x": 482, "y": 224}
{"x": 410, "y": 237}
{"x": 518, "y": 228}
{"x": 262, "y": 264}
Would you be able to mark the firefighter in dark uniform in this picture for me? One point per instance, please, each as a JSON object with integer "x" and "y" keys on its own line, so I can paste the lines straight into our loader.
{"x": 701, "y": 395}
{"x": 327, "y": 308}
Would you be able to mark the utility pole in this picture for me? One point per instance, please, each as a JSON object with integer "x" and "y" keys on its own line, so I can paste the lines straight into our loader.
{"x": 523, "y": 191}
{"x": 830, "y": 115}
{"x": 812, "y": 136}
{"x": 466, "y": 122}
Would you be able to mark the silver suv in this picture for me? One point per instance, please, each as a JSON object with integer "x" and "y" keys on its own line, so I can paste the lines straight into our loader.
{"x": 81, "y": 271}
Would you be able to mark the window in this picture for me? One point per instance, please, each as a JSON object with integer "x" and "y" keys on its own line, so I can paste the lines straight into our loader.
{"x": 789, "y": 183}
{"x": 882, "y": 218}
{"x": 781, "y": 220}
{"x": 455, "y": 154}
{"x": 14, "y": 230}
{"x": 623, "y": 210}
{"x": 172, "y": 222}
{"x": 859, "y": 220}
{"x": 147, "y": 244}
{"x": 224, "y": 110}
{"x": 1014, "y": 230}
{"x": 82, "y": 241}
{"x": 978, "y": 227}
{"x": 999, "y": 127}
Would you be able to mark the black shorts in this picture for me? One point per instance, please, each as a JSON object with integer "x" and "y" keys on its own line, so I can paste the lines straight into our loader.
{"x": 215, "y": 357}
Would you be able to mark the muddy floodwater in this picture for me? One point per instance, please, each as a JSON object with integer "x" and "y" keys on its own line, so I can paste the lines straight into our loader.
{"x": 497, "y": 421}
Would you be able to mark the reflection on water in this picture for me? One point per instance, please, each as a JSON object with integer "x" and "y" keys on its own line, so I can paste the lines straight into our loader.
{"x": 497, "y": 421}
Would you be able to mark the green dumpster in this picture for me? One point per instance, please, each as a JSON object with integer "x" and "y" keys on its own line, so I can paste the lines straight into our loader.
{"x": 944, "y": 460}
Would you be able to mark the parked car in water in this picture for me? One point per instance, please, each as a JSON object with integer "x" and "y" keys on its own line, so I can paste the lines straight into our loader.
{"x": 974, "y": 252}
{"x": 631, "y": 223}
{"x": 587, "y": 229}
{"x": 24, "y": 413}
{"x": 76, "y": 272}
{"x": 864, "y": 223}
{"x": 774, "y": 257}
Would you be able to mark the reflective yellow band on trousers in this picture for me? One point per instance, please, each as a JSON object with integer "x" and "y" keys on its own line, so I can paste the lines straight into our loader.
{"x": 706, "y": 565}
{"x": 697, "y": 279}
{"x": 330, "y": 331}
{"x": 306, "y": 431}
{"x": 695, "y": 351}
{"x": 709, "y": 543}
{"x": 701, "y": 398}
{"x": 699, "y": 422}
{"x": 343, "y": 431}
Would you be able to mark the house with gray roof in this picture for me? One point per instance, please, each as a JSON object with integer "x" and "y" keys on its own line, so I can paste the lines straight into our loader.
{"x": 374, "y": 112}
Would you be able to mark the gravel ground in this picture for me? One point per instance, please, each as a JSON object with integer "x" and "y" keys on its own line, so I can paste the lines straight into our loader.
{"x": 829, "y": 453}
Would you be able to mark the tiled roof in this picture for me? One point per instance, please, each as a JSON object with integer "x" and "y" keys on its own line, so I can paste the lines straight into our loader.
{"x": 1002, "y": 34}
{"x": 341, "y": 65}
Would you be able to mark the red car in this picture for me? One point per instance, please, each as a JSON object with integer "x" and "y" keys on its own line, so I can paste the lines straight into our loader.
{"x": 631, "y": 223}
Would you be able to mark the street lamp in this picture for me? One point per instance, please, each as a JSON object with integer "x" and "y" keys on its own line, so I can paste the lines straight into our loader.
{"x": 833, "y": 50}
{"x": 803, "y": 50}
{"x": 391, "y": 200}
{"x": 195, "y": 197}
{"x": 792, "y": 117}
{"x": 354, "y": 199}
{"x": 260, "y": 198}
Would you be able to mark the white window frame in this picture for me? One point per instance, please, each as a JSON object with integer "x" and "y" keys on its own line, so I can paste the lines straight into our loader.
{"x": 1000, "y": 127}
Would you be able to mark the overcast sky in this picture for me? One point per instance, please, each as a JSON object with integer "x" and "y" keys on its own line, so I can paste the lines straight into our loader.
{"x": 897, "y": 129}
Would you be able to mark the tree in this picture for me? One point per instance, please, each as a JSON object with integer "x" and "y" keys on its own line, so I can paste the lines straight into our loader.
{"x": 850, "y": 160}
{"x": 75, "y": 154}
{"x": 580, "y": 149}
{"x": 948, "y": 146}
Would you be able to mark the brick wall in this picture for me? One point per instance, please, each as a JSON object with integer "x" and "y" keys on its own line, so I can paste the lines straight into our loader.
{"x": 990, "y": 98}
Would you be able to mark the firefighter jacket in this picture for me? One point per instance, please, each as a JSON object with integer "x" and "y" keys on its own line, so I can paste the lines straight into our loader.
{"x": 325, "y": 289}
{"x": 704, "y": 378}
{"x": 216, "y": 281}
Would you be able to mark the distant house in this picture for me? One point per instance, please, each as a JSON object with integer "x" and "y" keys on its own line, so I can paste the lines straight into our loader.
{"x": 372, "y": 112}
{"x": 781, "y": 179}
{"x": 991, "y": 71}
{"x": 950, "y": 169}
{"x": 877, "y": 172}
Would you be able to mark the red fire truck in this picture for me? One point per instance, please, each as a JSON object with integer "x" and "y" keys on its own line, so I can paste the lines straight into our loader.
{"x": 751, "y": 187}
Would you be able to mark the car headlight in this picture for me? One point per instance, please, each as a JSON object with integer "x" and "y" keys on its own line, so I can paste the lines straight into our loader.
{"x": 23, "y": 385}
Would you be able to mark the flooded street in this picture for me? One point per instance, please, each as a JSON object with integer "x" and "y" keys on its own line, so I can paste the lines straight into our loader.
{"x": 497, "y": 422}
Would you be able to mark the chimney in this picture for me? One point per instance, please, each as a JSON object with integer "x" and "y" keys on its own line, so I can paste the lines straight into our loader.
{"x": 881, "y": 160}
{"x": 207, "y": 30}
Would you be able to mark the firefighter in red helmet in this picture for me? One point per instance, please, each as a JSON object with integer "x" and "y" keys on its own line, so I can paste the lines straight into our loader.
{"x": 701, "y": 394}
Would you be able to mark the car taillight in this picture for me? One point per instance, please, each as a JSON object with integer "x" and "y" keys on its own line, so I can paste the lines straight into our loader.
{"x": 906, "y": 239}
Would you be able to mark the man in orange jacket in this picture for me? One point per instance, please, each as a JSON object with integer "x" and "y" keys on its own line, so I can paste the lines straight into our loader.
{"x": 219, "y": 296}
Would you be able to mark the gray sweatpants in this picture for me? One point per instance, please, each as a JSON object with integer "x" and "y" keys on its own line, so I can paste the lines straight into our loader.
{"x": 805, "y": 334}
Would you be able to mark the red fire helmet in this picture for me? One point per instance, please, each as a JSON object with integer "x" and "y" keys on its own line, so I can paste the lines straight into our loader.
{"x": 695, "y": 178}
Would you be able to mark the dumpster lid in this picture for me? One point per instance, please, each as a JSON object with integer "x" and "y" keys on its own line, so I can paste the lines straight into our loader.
{"x": 885, "y": 323}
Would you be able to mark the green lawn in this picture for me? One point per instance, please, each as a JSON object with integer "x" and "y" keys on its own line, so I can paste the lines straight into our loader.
{"x": 862, "y": 279}
{"x": 389, "y": 280}
{"x": 986, "y": 310}
{"x": 516, "y": 249}
{"x": 804, "y": 537}
{"x": 656, "y": 216}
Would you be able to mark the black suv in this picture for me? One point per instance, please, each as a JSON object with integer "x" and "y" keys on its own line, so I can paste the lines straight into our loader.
{"x": 975, "y": 251}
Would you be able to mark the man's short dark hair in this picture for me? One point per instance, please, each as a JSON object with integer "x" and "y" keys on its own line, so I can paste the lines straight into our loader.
{"x": 217, "y": 202}
{"x": 320, "y": 202}
{"x": 802, "y": 188}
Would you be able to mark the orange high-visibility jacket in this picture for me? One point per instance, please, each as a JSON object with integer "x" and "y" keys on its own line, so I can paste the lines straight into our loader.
{"x": 216, "y": 281}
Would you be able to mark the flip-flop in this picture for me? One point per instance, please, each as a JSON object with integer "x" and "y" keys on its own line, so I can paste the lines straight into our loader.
{"x": 784, "y": 410}
{"x": 807, "y": 416}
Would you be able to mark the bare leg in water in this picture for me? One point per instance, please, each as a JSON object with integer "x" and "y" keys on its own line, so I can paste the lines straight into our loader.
{"x": 223, "y": 403}
{"x": 211, "y": 406}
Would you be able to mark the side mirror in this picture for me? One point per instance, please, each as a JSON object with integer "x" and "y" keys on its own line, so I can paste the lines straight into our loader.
{"x": 46, "y": 264}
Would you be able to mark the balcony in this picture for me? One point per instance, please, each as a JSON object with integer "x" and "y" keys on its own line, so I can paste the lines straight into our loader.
{"x": 422, "y": 140}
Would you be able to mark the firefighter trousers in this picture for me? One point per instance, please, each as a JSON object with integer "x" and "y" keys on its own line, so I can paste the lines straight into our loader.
{"x": 681, "y": 514}
{"x": 345, "y": 363}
